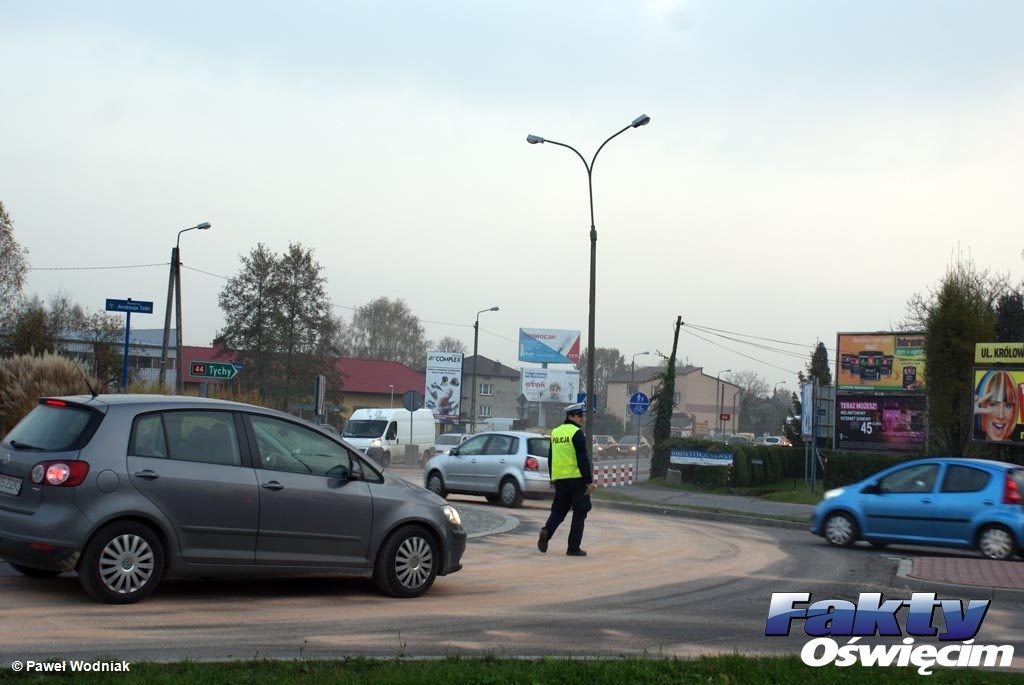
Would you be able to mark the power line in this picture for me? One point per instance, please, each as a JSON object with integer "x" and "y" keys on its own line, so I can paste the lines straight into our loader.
{"x": 759, "y": 361}
{"x": 94, "y": 268}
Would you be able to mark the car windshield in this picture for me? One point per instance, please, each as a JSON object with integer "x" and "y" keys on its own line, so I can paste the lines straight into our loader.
{"x": 601, "y": 439}
{"x": 448, "y": 439}
{"x": 628, "y": 440}
{"x": 364, "y": 429}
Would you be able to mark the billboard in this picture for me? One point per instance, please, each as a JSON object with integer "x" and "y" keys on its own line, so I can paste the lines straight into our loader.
{"x": 881, "y": 422}
{"x": 880, "y": 361}
{"x": 550, "y": 385}
{"x": 549, "y": 346}
{"x": 997, "y": 402}
{"x": 443, "y": 390}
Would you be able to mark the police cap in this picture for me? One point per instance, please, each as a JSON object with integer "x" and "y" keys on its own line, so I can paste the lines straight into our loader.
{"x": 576, "y": 409}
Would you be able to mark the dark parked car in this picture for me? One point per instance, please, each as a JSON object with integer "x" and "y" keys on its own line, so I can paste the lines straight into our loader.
{"x": 628, "y": 446}
{"x": 944, "y": 502}
{"x": 129, "y": 489}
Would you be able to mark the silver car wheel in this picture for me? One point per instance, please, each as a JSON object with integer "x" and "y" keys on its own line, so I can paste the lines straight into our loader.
{"x": 996, "y": 543}
{"x": 839, "y": 530}
{"x": 414, "y": 562}
{"x": 509, "y": 493}
{"x": 126, "y": 564}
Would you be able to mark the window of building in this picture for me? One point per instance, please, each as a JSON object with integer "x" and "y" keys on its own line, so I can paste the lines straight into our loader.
{"x": 487, "y": 389}
{"x": 485, "y": 410}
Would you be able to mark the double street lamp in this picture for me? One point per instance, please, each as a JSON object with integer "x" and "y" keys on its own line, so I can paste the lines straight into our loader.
{"x": 641, "y": 120}
{"x": 174, "y": 294}
{"x": 476, "y": 338}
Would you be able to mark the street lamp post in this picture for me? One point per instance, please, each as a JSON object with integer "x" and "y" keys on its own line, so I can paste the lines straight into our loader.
{"x": 476, "y": 339}
{"x": 174, "y": 295}
{"x": 641, "y": 120}
{"x": 719, "y": 398}
{"x": 636, "y": 417}
{"x": 391, "y": 403}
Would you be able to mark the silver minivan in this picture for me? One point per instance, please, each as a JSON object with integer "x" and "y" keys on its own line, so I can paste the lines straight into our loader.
{"x": 130, "y": 489}
{"x": 503, "y": 466}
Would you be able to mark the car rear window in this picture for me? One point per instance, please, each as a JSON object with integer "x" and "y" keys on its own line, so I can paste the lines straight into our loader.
{"x": 539, "y": 447}
{"x": 55, "y": 427}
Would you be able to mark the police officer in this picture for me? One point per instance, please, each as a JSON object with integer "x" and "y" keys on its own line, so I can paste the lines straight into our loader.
{"x": 573, "y": 478}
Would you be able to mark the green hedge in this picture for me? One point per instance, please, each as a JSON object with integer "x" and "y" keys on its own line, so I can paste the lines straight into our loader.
{"x": 759, "y": 465}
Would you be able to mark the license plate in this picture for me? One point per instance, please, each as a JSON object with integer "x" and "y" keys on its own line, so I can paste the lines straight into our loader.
{"x": 10, "y": 485}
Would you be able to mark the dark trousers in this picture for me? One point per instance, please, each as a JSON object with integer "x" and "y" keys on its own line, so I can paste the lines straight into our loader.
{"x": 570, "y": 494}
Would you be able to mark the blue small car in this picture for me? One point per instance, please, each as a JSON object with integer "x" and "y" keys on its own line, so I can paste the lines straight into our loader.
{"x": 941, "y": 502}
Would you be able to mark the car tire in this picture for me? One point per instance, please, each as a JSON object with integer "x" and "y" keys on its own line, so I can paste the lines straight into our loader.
{"x": 840, "y": 529}
{"x": 996, "y": 542}
{"x": 31, "y": 572}
{"x": 407, "y": 562}
{"x": 509, "y": 492}
{"x": 492, "y": 499}
{"x": 122, "y": 563}
{"x": 436, "y": 484}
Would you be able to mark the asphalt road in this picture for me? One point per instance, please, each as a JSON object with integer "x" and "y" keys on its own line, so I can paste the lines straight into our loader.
{"x": 651, "y": 585}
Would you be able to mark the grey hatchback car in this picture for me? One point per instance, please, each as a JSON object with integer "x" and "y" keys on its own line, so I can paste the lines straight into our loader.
{"x": 503, "y": 466}
{"x": 130, "y": 489}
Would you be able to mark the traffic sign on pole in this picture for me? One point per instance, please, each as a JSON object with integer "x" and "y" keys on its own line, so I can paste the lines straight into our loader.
{"x": 639, "y": 403}
{"x": 221, "y": 370}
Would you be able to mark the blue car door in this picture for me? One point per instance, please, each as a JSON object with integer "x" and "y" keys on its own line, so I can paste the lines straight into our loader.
{"x": 965, "y": 492}
{"x": 902, "y": 506}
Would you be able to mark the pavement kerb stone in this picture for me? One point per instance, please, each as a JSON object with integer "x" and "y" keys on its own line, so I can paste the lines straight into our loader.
{"x": 906, "y": 568}
{"x": 707, "y": 515}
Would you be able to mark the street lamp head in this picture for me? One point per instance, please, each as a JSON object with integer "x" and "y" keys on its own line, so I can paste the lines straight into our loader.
{"x": 493, "y": 309}
{"x": 203, "y": 226}
{"x": 641, "y": 120}
{"x": 533, "y": 140}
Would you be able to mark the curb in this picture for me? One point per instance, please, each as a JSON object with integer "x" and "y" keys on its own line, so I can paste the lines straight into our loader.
{"x": 906, "y": 568}
{"x": 708, "y": 515}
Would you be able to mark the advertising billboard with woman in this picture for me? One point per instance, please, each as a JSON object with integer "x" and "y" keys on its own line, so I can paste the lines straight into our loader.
{"x": 997, "y": 400}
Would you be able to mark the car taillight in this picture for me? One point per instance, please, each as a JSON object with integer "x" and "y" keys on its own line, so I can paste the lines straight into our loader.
{"x": 64, "y": 474}
{"x": 55, "y": 403}
{"x": 532, "y": 464}
{"x": 1011, "y": 493}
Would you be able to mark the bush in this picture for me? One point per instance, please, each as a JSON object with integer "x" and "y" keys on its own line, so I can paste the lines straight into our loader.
{"x": 25, "y": 378}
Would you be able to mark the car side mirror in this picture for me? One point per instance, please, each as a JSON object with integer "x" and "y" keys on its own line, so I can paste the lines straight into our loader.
{"x": 873, "y": 488}
{"x": 454, "y": 451}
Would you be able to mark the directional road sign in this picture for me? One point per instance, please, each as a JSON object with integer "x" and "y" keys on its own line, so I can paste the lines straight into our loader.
{"x": 222, "y": 370}
{"x": 638, "y": 403}
{"x": 132, "y": 306}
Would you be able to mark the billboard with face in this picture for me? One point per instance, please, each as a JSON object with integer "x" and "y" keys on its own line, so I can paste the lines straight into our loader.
{"x": 549, "y": 385}
{"x": 880, "y": 361}
{"x": 997, "y": 402}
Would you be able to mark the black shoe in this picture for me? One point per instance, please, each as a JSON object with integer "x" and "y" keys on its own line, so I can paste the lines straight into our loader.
{"x": 542, "y": 540}
{"x": 576, "y": 553}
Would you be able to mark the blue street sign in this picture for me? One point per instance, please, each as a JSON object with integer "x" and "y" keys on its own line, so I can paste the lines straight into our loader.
{"x": 132, "y": 306}
{"x": 638, "y": 403}
{"x": 582, "y": 397}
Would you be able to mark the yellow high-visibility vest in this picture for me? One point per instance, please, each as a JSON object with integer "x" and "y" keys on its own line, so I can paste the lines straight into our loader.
{"x": 563, "y": 454}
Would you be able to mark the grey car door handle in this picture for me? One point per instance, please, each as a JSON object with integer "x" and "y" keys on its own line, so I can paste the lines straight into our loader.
{"x": 147, "y": 474}
{"x": 272, "y": 485}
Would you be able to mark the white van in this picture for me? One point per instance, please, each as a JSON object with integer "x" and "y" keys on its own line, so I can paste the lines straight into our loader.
{"x": 384, "y": 433}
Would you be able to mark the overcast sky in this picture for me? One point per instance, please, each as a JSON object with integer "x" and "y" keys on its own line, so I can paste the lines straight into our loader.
{"x": 809, "y": 165}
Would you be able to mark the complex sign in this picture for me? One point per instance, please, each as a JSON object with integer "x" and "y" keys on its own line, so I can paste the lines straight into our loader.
{"x": 549, "y": 385}
{"x": 548, "y": 346}
{"x": 879, "y": 422}
{"x": 444, "y": 386}
{"x": 881, "y": 361}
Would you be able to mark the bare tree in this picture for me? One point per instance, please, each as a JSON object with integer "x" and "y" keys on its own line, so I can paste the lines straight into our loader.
{"x": 386, "y": 329}
{"x": 448, "y": 344}
{"x": 13, "y": 267}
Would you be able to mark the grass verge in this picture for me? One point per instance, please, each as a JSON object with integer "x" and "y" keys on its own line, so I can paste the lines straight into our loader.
{"x": 493, "y": 671}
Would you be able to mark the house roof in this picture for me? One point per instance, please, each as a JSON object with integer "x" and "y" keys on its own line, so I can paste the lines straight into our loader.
{"x": 378, "y": 375}
{"x": 487, "y": 367}
{"x": 358, "y": 375}
{"x": 647, "y": 373}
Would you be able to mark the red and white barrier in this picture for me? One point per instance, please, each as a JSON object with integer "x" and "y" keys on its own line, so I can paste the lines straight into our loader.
{"x": 613, "y": 476}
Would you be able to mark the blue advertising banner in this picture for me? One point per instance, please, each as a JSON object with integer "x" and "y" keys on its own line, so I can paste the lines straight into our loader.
{"x": 548, "y": 346}
{"x": 699, "y": 458}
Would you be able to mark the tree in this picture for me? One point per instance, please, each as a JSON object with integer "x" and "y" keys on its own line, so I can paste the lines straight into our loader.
{"x": 32, "y": 333}
{"x": 608, "y": 361}
{"x": 1010, "y": 317}
{"x": 958, "y": 314}
{"x": 793, "y": 429}
{"x": 386, "y": 329}
{"x": 448, "y": 344}
{"x": 279, "y": 323}
{"x": 818, "y": 368}
{"x": 663, "y": 404}
{"x": 13, "y": 266}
